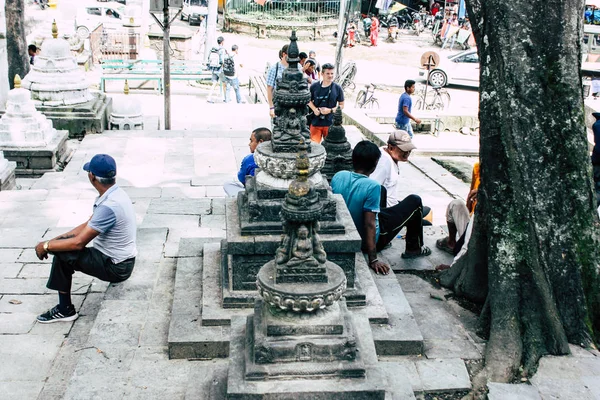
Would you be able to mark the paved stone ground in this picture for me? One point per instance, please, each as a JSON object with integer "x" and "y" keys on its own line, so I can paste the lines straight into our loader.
{"x": 118, "y": 347}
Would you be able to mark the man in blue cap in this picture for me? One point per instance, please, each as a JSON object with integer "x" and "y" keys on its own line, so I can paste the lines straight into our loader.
{"x": 112, "y": 227}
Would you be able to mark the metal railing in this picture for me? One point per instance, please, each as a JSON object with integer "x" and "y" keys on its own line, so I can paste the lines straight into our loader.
{"x": 113, "y": 45}
{"x": 284, "y": 10}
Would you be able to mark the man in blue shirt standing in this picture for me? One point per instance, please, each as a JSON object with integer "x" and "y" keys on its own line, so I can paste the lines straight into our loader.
{"x": 248, "y": 166}
{"x": 376, "y": 227}
{"x": 404, "y": 115}
{"x": 113, "y": 229}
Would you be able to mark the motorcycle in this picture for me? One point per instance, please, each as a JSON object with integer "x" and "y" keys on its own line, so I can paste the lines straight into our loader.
{"x": 42, "y": 3}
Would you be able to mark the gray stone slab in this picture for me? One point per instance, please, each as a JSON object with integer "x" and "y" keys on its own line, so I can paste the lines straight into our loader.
{"x": 150, "y": 243}
{"x": 211, "y": 180}
{"x": 10, "y": 270}
{"x": 100, "y": 373}
{"x": 442, "y": 176}
{"x": 9, "y": 255}
{"x": 115, "y": 335}
{"x": 184, "y": 192}
{"x": 20, "y": 352}
{"x": 212, "y": 221}
{"x": 23, "y": 286}
{"x": 23, "y": 195}
{"x": 35, "y": 270}
{"x": 215, "y": 191}
{"x": 443, "y": 375}
{"x": 401, "y": 335}
{"x": 506, "y": 391}
{"x": 21, "y": 237}
{"x": 453, "y": 348}
{"x": 19, "y": 390}
{"x": 435, "y": 318}
{"x": 171, "y": 221}
{"x": 16, "y": 323}
{"x": 404, "y": 368}
{"x": 218, "y": 207}
{"x": 563, "y": 389}
{"x": 142, "y": 192}
{"x": 122, "y": 311}
{"x": 208, "y": 381}
{"x": 180, "y": 206}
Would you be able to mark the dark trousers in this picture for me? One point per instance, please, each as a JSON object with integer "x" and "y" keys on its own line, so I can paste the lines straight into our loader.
{"x": 89, "y": 261}
{"x": 407, "y": 213}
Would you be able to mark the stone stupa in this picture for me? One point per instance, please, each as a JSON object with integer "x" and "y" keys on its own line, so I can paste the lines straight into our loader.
{"x": 60, "y": 90}
{"x": 301, "y": 342}
{"x": 126, "y": 112}
{"x": 28, "y": 137}
{"x": 339, "y": 150}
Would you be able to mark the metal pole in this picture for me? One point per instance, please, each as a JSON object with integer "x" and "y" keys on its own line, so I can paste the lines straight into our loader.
{"x": 166, "y": 65}
{"x": 343, "y": 21}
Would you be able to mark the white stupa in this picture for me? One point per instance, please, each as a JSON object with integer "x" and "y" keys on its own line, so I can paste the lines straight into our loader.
{"x": 61, "y": 92}
{"x": 22, "y": 125}
{"x": 55, "y": 79}
{"x": 126, "y": 112}
{"x": 28, "y": 137}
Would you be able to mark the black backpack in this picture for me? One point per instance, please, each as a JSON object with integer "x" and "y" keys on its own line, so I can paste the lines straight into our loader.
{"x": 229, "y": 66}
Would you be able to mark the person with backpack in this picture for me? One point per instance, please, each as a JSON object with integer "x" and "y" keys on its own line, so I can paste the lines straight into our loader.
{"x": 230, "y": 65}
{"x": 325, "y": 97}
{"x": 216, "y": 57}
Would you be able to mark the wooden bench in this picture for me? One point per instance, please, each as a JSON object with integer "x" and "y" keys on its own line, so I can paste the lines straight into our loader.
{"x": 257, "y": 89}
{"x": 148, "y": 70}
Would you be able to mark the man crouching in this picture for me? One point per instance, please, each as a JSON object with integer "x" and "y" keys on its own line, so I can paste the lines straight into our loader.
{"x": 113, "y": 229}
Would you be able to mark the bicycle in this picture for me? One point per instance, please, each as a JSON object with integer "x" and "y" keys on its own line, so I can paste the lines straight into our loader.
{"x": 346, "y": 78}
{"x": 366, "y": 98}
{"x": 439, "y": 101}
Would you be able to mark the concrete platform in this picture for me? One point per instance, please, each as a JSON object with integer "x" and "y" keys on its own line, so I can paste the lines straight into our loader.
{"x": 200, "y": 325}
{"x": 35, "y": 161}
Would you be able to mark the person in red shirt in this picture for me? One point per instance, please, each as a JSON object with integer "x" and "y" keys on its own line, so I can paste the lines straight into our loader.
{"x": 374, "y": 30}
{"x": 435, "y": 9}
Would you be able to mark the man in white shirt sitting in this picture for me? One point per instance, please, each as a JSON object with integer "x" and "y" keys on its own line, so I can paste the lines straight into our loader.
{"x": 386, "y": 173}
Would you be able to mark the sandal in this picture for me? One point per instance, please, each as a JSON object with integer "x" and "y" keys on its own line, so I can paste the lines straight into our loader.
{"x": 442, "y": 244}
{"x": 423, "y": 251}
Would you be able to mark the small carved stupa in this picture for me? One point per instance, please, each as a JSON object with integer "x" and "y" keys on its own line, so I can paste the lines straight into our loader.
{"x": 22, "y": 125}
{"x": 55, "y": 79}
{"x": 127, "y": 112}
{"x": 28, "y": 137}
{"x": 339, "y": 150}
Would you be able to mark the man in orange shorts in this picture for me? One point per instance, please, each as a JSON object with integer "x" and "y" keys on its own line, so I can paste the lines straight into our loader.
{"x": 325, "y": 96}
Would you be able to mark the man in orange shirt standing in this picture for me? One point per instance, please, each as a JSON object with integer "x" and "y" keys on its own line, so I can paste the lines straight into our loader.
{"x": 325, "y": 97}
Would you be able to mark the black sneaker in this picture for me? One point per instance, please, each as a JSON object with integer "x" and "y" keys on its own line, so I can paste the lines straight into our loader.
{"x": 54, "y": 315}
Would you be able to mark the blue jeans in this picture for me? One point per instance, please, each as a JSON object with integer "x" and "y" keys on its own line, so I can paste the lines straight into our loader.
{"x": 236, "y": 87}
{"x": 406, "y": 127}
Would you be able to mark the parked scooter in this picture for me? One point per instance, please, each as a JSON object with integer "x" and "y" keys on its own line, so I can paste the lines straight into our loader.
{"x": 392, "y": 29}
{"x": 42, "y": 3}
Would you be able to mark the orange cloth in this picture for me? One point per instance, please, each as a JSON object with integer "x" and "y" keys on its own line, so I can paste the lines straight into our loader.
{"x": 475, "y": 181}
{"x": 318, "y": 133}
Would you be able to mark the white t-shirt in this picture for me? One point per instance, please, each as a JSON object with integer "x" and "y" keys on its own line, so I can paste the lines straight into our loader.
{"x": 386, "y": 174}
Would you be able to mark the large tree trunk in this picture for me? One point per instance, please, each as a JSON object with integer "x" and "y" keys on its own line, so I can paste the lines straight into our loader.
{"x": 16, "y": 46}
{"x": 536, "y": 204}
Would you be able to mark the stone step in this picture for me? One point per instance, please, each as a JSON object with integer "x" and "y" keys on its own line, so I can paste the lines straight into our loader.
{"x": 200, "y": 326}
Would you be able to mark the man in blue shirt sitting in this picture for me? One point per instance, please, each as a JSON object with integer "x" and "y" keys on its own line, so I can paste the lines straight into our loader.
{"x": 248, "y": 166}
{"x": 112, "y": 227}
{"x": 404, "y": 115}
{"x": 377, "y": 227}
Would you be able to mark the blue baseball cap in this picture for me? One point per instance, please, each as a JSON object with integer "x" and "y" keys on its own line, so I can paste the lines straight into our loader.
{"x": 102, "y": 166}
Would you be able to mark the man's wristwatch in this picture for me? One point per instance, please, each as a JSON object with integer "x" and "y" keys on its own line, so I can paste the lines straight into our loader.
{"x": 46, "y": 246}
